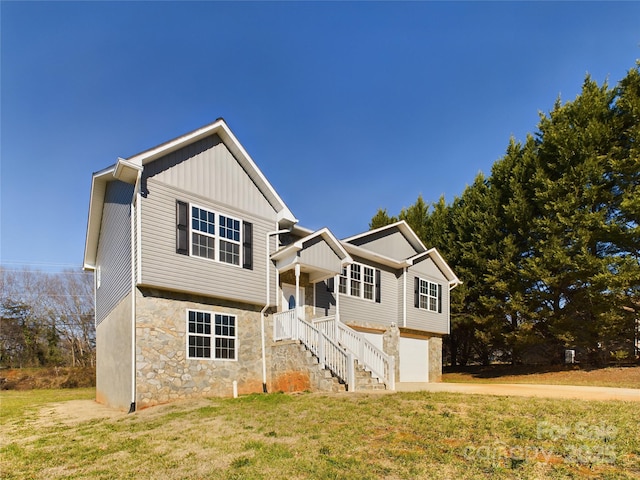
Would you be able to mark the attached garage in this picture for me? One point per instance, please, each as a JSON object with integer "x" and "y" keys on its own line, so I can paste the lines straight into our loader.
{"x": 414, "y": 360}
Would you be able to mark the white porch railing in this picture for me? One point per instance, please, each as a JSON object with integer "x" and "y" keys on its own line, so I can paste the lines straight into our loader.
{"x": 287, "y": 325}
{"x": 284, "y": 324}
{"x": 381, "y": 365}
{"x": 336, "y": 345}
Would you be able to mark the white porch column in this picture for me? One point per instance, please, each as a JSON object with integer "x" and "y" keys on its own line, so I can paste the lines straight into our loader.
{"x": 297, "y": 270}
{"x": 336, "y": 290}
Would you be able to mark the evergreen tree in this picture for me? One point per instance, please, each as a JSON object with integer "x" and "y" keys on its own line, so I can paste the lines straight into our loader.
{"x": 548, "y": 246}
{"x": 381, "y": 219}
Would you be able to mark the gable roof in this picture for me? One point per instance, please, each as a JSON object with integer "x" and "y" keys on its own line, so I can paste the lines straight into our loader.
{"x": 325, "y": 234}
{"x": 415, "y": 242}
{"x": 401, "y": 226}
{"x": 319, "y": 267}
{"x": 128, "y": 170}
{"x": 444, "y": 267}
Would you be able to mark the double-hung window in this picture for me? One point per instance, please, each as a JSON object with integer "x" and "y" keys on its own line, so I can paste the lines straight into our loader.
{"x": 213, "y": 236}
{"x": 428, "y": 295}
{"x": 368, "y": 282}
{"x": 229, "y": 240}
{"x": 211, "y": 335}
{"x": 360, "y": 281}
{"x": 342, "y": 286}
{"x": 203, "y": 229}
{"x": 355, "y": 280}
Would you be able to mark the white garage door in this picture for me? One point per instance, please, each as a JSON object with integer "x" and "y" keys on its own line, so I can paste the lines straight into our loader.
{"x": 414, "y": 360}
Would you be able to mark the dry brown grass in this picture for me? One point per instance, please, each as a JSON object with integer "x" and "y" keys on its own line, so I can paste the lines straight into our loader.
{"x": 315, "y": 436}
{"x": 50, "y": 377}
{"x": 624, "y": 377}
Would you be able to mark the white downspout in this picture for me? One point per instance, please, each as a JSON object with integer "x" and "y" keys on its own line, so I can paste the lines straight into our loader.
{"x": 266, "y": 306}
{"x": 336, "y": 294}
{"x": 404, "y": 297}
{"x": 297, "y": 272}
{"x": 134, "y": 269}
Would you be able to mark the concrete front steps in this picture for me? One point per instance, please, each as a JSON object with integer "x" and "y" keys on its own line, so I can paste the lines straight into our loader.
{"x": 327, "y": 382}
{"x": 365, "y": 382}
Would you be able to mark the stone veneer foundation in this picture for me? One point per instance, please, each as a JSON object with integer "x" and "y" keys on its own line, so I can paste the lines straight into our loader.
{"x": 164, "y": 373}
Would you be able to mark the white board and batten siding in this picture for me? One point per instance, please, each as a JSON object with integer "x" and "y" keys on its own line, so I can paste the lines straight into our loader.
{"x": 113, "y": 259}
{"x": 211, "y": 179}
{"x": 420, "y": 319}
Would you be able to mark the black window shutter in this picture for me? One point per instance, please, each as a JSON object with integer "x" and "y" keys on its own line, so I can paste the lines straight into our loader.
{"x": 330, "y": 284}
{"x": 182, "y": 228}
{"x": 416, "y": 291}
{"x": 439, "y": 298}
{"x": 247, "y": 245}
{"x": 377, "y": 286}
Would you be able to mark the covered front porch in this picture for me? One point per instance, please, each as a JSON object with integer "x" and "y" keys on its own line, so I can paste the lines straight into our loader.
{"x": 305, "y": 263}
{"x": 338, "y": 348}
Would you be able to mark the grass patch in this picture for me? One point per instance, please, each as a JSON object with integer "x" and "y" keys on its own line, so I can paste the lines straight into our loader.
{"x": 15, "y": 404}
{"x": 402, "y": 435}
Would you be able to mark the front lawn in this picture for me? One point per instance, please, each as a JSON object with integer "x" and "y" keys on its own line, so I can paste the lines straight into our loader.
{"x": 316, "y": 436}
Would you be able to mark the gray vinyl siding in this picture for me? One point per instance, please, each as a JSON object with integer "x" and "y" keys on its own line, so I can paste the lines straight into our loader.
{"x": 390, "y": 243}
{"x": 367, "y": 312}
{"x": 420, "y": 319}
{"x": 317, "y": 253}
{"x": 162, "y": 267}
{"x": 114, "y": 253}
{"x": 206, "y": 168}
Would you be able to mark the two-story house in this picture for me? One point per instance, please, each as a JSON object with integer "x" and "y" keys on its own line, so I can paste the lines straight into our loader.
{"x": 205, "y": 284}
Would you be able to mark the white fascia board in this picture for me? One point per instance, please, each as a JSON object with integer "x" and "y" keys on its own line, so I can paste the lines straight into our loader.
{"x": 293, "y": 249}
{"x": 284, "y": 252}
{"x": 402, "y": 226}
{"x": 165, "y": 148}
{"x": 375, "y": 257}
{"x": 328, "y": 237}
{"x": 440, "y": 263}
{"x": 300, "y": 230}
{"x": 94, "y": 220}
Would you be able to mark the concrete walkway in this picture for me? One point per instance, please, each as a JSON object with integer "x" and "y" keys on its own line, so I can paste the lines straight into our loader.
{"x": 526, "y": 390}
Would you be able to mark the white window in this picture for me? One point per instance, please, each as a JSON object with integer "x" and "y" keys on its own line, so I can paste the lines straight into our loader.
{"x": 359, "y": 281}
{"x": 428, "y": 295}
{"x": 229, "y": 240}
{"x": 355, "y": 280}
{"x": 222, "y": 245}
{"x": 215, "y": 341}
{"x": 368, "y": 282}
{"x": 342, "y": 286}
{"x": 203, "y": 229}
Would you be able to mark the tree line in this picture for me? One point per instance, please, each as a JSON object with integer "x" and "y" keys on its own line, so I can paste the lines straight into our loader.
{"x": 547, "y": 245}
{"x": 46, "y": 318}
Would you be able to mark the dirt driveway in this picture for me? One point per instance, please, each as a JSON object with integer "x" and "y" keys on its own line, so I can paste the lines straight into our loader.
{"x": 527, "y": 390}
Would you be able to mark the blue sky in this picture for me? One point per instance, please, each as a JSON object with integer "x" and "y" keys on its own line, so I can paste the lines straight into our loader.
{"x": 345, "y": 107}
